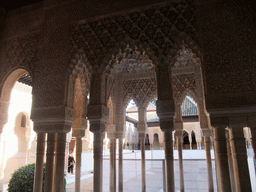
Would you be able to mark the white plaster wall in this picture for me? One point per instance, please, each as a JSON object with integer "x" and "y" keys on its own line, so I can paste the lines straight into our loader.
{"x": 87, "y": 162}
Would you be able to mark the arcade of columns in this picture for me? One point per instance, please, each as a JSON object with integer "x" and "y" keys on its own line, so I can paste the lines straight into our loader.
{"x": 137, "y": 55}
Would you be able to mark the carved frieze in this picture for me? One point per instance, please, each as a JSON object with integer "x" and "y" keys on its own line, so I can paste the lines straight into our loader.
{"x": 153, "y": 29}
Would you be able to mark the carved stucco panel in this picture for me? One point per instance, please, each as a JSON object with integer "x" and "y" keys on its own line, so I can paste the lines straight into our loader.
{"x": 22, "y": 51}
{"x": 140, "y": 90}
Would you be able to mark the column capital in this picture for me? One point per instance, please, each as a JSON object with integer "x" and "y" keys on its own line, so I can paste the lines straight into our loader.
{"x": 142, "y": 127}
{"x": 98, "y": 125}
{"x": 111, "y": 135}
{"x": 165, "y": 109}
{"x": 78, "y": 132}
{"x": 178, "y": 133}
{"x": 167, "y": 125}
{"x": 142, "y": 135}
{"x": 178, "y": 126}
{"x": 120, "y": 135}
{"x": 97, "y": 112}
{"x": 206, "y": 132}
{"x": 52, "y": 119}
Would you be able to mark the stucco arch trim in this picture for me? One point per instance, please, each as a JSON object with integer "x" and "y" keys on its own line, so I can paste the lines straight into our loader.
{"x": 5, "y": 90}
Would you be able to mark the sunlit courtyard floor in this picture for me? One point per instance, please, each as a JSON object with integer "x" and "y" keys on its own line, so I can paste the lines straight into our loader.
{"x": 195, "y": 172}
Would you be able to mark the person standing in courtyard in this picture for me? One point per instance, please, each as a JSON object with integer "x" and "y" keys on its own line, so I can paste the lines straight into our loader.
{"x": 71, "y": 162}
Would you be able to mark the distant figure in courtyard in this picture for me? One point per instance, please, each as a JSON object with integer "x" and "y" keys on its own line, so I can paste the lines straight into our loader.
{"x": 71, "y": 162}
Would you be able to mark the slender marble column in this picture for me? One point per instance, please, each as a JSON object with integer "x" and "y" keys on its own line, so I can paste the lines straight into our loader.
{"x": 230, "y": 163}
{"x": 49, "y": 162}
{"x": 169, "y": 166}
{"x": 253, "y": 132}
{"x": 143, "y": 164}
{"x": 239, "y": 156}
{"x": 221, "y": 159}
{"x": 120, "y": 165}
{"x": 60, "y": 158}
{"x": 38, "y": 176}
{"x": 142, "y": 126}
{"x": 112, "y": 165}
{"x": 98, "y": 161}
{"x": 78, "y": 163}
{"x": 2, "y": 144}
{"x": 55, "y": 162}
{"x": 179, "y": 146}
{"x": 207, "y": 143}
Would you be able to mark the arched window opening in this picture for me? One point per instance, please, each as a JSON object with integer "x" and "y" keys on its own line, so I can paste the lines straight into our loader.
{"x": 156, "y": 144}
{"x": 194, "y": 145}
{"x": 23, "y": 121}
{"x": 186, "y": 140}
{"x": 147, "y": 143}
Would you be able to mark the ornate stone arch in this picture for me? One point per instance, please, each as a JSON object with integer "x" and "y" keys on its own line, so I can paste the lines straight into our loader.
{"x": 80, "y": 71}
{"x": 5, "y": 91}
{"x": 182, "y": 97}
{"x": 18, "y": 120}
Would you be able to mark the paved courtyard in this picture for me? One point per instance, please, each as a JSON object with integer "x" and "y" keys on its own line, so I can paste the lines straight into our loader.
{"x": 195, "y": 173}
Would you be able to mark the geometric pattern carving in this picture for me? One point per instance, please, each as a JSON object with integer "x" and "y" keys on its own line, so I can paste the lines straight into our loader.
{"x": 21, "y": 51}
{"x": 182, "y": 82}
{"x": 154, "y": 29}
{"x": 141, "y": 91}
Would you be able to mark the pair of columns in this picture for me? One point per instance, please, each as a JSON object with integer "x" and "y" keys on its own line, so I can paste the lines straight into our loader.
{"x": 55, "y": 161}
{"x": 141, "y": 130}
{"x": 112, "y": 165}
{"x": 231, "y": 159}
{"x": 207, "y": 142}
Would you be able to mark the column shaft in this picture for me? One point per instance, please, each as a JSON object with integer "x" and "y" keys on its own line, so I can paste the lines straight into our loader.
{"x": 230, "y": 164}
{"x": 98, "y": 161}
{"x": 60, "y": 158}
{"x": 179, "y": 146}
{"x": 253, "y": 132}
{"x": 2, "y": 145}
{"x": 112, "y": 166}
{"x": 221, "y": 160}
{"x": 49, "y": 163}
{"x": 143, "y": 164}
{"x": 120, "y": 166}
{"x": 239, "y": 154}
{"x": 38, "y": 176}
{"x": 207, "y": 143}
{"x": 169, "y": 166}
{"x": 78, "y": 163}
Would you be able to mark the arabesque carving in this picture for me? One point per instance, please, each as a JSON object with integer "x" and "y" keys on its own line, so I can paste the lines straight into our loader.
{"x": 140, "y": 90}
{"x": 154, "y": 29}
{"x": 21, "y": 51}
